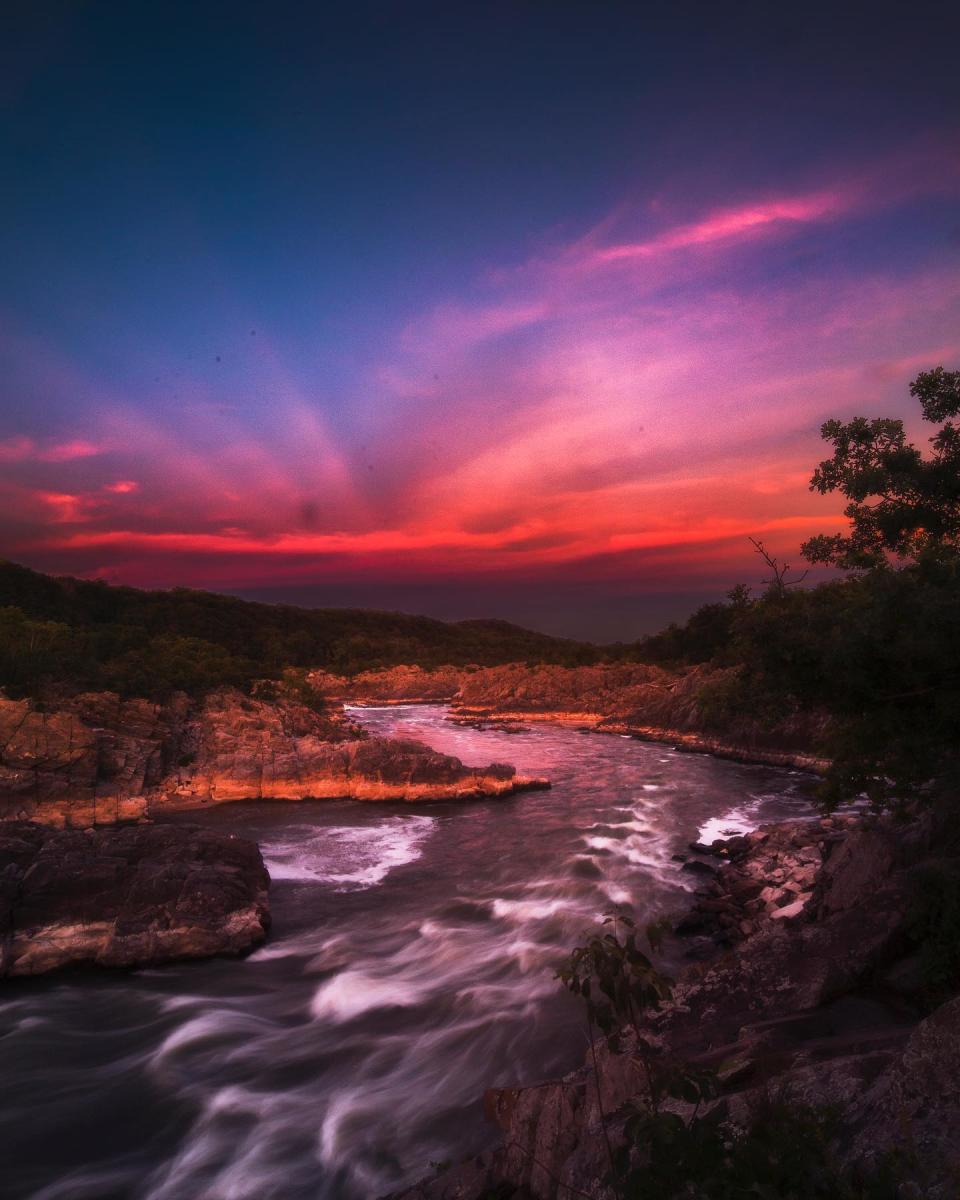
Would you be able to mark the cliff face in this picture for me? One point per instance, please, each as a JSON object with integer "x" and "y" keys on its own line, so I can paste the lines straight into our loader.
{"x": 123, "y": 897}
{"x": 97, "y": 759}
{"x": 635, "y": 698}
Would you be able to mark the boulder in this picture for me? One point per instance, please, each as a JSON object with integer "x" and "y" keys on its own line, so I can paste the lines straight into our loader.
{"x": 126, "y": 897}
{"x": 913, "y": 1109}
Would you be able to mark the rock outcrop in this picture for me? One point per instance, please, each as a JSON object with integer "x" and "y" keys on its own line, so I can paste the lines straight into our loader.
{"x": 392, "y": 685}
{"x": 767, "y": 874}
{"x": 97, "y": 759}
{"x": 639, "y": 699}
{"x": 633, "y": 698}
{"x": 818, "y": 1009}
{"x": 126, "y": 897}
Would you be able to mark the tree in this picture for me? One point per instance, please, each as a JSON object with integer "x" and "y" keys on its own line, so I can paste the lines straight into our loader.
{"x": 778, "y": 582}
{"x": 874, "y": 653}
{"x": 903, "y": 504}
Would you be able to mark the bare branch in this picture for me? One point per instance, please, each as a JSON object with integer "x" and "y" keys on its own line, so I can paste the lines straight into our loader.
{"x": 779, "y": 582}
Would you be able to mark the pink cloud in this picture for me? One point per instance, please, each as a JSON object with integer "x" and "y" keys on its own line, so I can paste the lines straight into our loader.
{"x": 17, "y": 449}
{"x": 68, "y": 451}
{"x": 727, "y": 225}
{"x": 565, "y": 419}
{"x": 20, "y": 448}
{"x": 65, "y": 508}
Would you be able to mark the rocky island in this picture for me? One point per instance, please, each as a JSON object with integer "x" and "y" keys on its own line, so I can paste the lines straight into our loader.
{"x": 97, "y": 759}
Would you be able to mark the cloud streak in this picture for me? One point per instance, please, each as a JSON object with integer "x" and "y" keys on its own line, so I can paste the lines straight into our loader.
{"x": 619, "y": 403}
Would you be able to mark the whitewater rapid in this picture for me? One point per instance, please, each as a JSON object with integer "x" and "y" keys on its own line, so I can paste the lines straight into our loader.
{"x": 410, "y": 966}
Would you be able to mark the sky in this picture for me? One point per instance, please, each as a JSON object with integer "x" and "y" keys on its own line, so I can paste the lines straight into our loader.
{"x": 529, "y": 310}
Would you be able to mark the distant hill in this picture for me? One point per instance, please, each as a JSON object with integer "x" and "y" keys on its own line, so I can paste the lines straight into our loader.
{"x": 91, "y": 634}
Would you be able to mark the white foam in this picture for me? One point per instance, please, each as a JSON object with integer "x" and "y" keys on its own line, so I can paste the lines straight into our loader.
{"x": 603, "y": 843}
{"x": 350, "y": 857}
{"x": 733, "y": 823}
{"x": 528, "y": 910}
{"x": 353, "y": 992}
{"x": 214, "y": 1025}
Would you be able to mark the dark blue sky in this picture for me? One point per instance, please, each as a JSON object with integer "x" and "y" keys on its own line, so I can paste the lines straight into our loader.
{"x": 281, "y": 271}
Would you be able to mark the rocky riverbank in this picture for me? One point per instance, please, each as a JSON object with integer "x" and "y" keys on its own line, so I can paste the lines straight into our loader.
{"x": 97, "y": 760}
{"x": 126, "y": 897}
{"x": 392, "y": 685}
{"x": 818, "y": 993}
{"x": 635, "y": 699}
{"x": 638, "y": 700}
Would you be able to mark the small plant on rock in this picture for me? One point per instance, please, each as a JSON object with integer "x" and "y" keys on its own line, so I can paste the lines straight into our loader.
{"x": 621, "y": 986}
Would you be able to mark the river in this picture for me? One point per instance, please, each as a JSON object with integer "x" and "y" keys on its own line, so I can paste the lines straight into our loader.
{"x": 410, "y": 966}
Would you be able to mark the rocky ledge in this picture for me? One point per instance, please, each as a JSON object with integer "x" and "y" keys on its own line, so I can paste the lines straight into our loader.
{"x": 97, "y": 759}
{"x": 825, "y": 1001}
{"x": 637, "y": 699}
{"x": 126, "y": 897}
{"x": 392, "y": 685}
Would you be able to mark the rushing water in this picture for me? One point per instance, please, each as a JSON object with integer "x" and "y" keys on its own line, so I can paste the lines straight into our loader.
{"x": 410, "y": 966}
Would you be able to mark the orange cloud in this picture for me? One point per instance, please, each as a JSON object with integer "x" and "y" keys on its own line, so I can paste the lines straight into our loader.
{"x": 568, "y": 418}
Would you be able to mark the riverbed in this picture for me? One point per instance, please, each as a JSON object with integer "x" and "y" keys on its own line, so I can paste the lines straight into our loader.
{"x": 410, "y": 966}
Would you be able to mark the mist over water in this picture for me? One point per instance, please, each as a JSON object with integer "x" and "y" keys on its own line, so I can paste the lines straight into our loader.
{"x": 409, "y": 968}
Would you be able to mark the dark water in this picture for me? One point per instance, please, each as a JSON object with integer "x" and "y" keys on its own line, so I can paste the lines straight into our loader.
{"x": 409, "y": 968}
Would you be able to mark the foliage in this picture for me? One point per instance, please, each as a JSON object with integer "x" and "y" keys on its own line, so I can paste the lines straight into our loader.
{"x": 87, "y": 634}
{"x": 617, "y": 981}
{"x": 620, "y": 986}
{"x": 665, "y": 1147}
{"x": 35, "y": 655}
{"x": 293, "y": 684}
{"x": 706, "y": 637}
{"x": 901, "y": 502}
{"x": 876, "y": 653}
{"x": 785, "y": 1153}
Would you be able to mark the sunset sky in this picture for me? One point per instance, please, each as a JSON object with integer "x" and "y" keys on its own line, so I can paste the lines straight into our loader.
{"x": 529, "y": 310}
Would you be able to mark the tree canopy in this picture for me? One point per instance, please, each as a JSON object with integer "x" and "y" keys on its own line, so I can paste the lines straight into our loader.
{"x": 903, "y": 503}
{"x": 876, "y": 651}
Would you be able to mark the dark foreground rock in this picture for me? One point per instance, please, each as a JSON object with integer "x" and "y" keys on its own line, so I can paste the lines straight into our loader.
{"x": 817, "y": 1002}
{"x": 126, "y": 897}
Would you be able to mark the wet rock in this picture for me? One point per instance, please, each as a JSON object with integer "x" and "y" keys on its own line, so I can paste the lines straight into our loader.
{"x": 126, "y": 897}
{"x": 792, "y": 1013}
{"x": 694, "y": 866}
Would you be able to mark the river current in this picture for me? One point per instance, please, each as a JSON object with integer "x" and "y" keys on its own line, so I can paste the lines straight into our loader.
{"x": 410, "y": 966}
